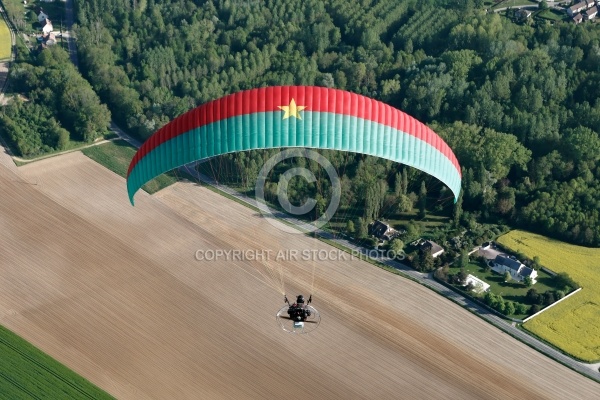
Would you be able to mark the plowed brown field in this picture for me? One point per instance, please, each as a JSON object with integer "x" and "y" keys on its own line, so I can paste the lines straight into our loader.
{"x": 115, "y": 293}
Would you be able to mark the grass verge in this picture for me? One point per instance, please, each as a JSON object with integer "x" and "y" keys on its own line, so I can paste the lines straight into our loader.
{"x": 117, "y": 155}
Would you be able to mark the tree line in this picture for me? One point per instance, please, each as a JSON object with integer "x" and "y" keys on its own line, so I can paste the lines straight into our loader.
{"x": 517, "y": 103}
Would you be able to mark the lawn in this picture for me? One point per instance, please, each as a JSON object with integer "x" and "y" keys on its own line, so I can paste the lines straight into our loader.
{"x": 5, "y": 42}
{"x": 574, "y": 324}
{"x": 514, "y": 3}
{"x": 511, "y": 291}
{"x": 117, "y": 155}
{"x": 26, "y": 372}
{"x": 552, "y": 15}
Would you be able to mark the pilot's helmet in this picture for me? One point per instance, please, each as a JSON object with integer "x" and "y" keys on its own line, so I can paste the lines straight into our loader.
{"x": 300, "y": 299}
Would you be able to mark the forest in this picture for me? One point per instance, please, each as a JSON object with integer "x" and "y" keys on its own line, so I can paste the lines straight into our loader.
{"x": 518, "y": 103}
{"x": 56, "y": 104}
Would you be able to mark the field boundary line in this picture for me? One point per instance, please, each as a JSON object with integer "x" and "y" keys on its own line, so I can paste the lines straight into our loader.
{"x": 551, "y": 305}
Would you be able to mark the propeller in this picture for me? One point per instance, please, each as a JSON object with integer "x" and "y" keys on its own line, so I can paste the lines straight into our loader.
{"x": 292, "y": 319}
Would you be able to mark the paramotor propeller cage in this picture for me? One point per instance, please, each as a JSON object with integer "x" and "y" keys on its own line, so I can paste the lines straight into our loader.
{"x": 289, "y": 325}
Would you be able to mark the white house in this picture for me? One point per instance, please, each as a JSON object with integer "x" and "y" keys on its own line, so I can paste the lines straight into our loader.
{"x": 518, "y": 271}
{"x": 577, "y": 8}
{"x": 435, "y": 249}
{"x": 591, "y": 13}
{"x": 42, "y": 16}
{"x": 479, "y": 285}
{"x": 48, "y": 27}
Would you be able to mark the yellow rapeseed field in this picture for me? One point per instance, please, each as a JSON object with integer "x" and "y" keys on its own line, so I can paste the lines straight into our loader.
{"x": 574, "y": 324}
{"x": 4, "y": 40}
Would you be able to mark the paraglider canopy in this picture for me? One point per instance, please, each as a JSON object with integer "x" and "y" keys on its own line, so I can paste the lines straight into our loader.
{"x": 294, "y": 116}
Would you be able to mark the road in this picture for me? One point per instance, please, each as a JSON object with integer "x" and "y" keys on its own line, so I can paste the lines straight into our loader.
{"x": 70, "y": 39}
{"x": 5, "y": 64}
{"x": 558, "y": 5}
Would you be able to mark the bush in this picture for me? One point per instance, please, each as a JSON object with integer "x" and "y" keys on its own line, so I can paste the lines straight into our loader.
{"x": 442, "y": 273}
{"x": 532, "y": 296}
{"x": 549, "y": 298}
{"x": 510, "y": 308}
{"x": 534, "y": 309}
{"x": 520, "y": 308}
{"x": 564, "y": 281}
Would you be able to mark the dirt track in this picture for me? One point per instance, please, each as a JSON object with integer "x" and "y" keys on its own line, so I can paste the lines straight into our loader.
{"x": 115, "y": 292}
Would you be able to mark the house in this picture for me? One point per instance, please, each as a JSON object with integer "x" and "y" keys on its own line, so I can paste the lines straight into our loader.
{"x": 579, "y": 7}
{"x": 435, "y": 249}
{"x": 518, "y": 271}
{"x": 523, "y": 14}
{"x": 382, "y": 231}
{"x": 42, "y": 16}
{"x": 577, "y": 19}
{"x": 50, "y": 39}
{"x": 47, "y": 27}
{"x": 591, "y": 13}
{"x": 478, "y": 285}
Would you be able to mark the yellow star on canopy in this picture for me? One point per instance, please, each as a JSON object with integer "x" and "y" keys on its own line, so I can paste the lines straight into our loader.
{"x": 292, "y": 110}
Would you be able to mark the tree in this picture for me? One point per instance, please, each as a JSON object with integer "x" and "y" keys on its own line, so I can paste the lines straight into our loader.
{"x": 528, "y": 281}
{"x": 520, "y": 308}
{"x": 509, "y": 308}
{"x": 413, "y": 231}
{"x": 427, "y": 262}
{"x": 415, "y": 260}
{"x": 397, "y": 246}
{"x": 462, "y": 276}
{"x": 363, "y": 228}
{"x": 532, "y": 296}
{"x": 350, "y": 227}
{"x": 405, "y": 204}
{"x": 564, "y": 281}
{"x": 457, "y": 212}
{"x": 534, "y": 309}
{"x": 507, "y": 277}
{"x": 422, "y": 200}
{"x": 442, "y": 273}
{"x": 543, "y": 5}
{"x": 549, "y": 298}
{"x": 500, "y": 305}
{"x": 464, "y": 259}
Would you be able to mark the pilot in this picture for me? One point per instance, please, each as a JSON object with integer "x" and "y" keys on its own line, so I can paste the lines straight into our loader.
{"x": 298, "y": 311}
